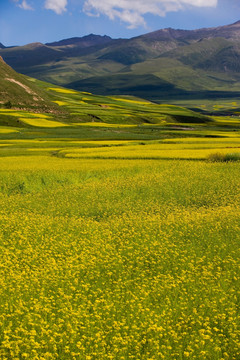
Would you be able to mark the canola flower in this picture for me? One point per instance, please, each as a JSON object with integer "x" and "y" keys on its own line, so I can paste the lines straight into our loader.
{"x": 141, "y": 102}
{"x": 119, "y": 259}
{"x": 7, "y": 131}
{"x": 152, "y": 151}
{"x": 61, "y": 103}
{"x": 63, "y": 91}
{"x": 40, "y": 122}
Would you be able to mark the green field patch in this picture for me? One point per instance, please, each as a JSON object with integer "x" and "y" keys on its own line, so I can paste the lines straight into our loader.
{"x": 101, "y": 124}
{"x": 23, "y": 113}
{"x": 226, "y": 120}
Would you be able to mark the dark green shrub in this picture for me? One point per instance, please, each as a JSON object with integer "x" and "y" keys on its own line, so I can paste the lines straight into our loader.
{"x": 219, "y": 157}
{"x": 8, "y": 105}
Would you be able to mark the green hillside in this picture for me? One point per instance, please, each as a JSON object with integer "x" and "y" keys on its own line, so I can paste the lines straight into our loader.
{"x": 32, "y": 105}
{"x": 19, "y": 91}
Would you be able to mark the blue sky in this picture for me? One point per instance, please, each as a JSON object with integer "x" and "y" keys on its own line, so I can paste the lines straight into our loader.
{"x": 26, "y": 21}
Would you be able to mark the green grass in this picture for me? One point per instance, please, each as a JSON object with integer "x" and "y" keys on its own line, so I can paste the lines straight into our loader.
{"x": 19, "y": 91}
{"x": 74, "y": 108}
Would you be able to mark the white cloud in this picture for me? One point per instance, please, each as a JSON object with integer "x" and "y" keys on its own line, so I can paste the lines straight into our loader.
{"x": 58, "y": 6}
{"x": 132, "y": 11}
{"x": 25, "y": 6}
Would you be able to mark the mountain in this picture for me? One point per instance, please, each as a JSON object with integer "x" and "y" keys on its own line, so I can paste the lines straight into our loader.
{"x": 19, "y": 91}
{"x": 164, "y": 64}
{"x": 85, "y": 41}
{"x": 24, "y": 58}
{"x": 231, "y": 32}
{"x": 2, "y": 46}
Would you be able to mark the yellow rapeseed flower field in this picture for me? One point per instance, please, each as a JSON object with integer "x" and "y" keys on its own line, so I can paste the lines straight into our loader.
{"x": 40, "y": 122}
{"x": 119, "y": 259}
{"x": 63, "y": 91}
{"x": 140, "y": 102}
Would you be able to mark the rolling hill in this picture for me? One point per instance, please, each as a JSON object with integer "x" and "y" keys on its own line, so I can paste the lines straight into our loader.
{"x": 25, "y": 98}
{"x": 20, "y": 91}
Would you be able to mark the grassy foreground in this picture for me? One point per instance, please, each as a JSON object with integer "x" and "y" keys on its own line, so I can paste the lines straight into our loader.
{"x": 119, "y": 259}
{"x": 119, "y": 229}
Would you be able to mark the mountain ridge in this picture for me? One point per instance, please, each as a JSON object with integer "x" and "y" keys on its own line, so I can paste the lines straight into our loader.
{"x": 88, "y": 40}
{"x": 206, "y": 59}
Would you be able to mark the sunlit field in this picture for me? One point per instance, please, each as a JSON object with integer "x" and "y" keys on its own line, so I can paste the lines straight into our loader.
{"x": 119, "y": 259}
{"x": 118, "y": 240}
